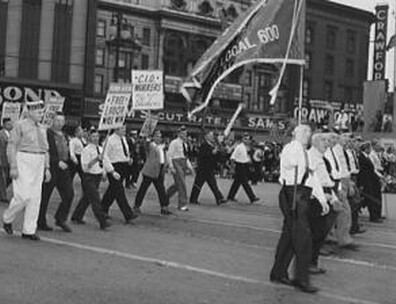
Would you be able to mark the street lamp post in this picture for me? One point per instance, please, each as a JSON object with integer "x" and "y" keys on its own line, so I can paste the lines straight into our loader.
{"x": 120, "y": 31}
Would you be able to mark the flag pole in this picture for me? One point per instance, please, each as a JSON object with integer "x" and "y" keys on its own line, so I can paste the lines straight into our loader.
{"x": 300, "y": 93}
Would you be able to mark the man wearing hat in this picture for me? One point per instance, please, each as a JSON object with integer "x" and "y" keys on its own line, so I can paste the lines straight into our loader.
{"x": 179, "y": 165}
{"x": 29, "y": 164}
{"x": 241, "y": 177}
{"x": 4, "y": 166}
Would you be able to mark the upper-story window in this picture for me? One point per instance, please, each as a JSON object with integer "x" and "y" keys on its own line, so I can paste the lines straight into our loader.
{"x": 178, "y": 4}
{"x": 309, "y": 34}
{"x": 146, "y": 36}
{"x": 231, "y": 13}
{"x": 351, "y": 42}
{"x": 205, "y": 8}
{"x": 101, "y": 28}
{"x": 349, "y": 68}
{"x": 308, "y": 60}
{"x": 331, "y": 37}
{"x": 329, "y": 64}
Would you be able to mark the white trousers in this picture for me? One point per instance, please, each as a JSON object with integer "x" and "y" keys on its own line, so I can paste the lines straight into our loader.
{"x": 27, "y": 191}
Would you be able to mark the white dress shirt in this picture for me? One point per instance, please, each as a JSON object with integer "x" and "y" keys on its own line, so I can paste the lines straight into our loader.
{"x": 75, "y": 146}
{"x": 91, "y": 152}
{"x": 176, "y": 149}
{"x": 240, "y": 154}
{"x": 114, "y": 149}
{"x": 373, "y": 156}
{"x": 353, "y": 161}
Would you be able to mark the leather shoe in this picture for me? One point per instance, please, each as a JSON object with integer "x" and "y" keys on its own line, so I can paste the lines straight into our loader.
{"x": 8, "y": 228}
{"x": 104, "y": 224}
{"x": 358, "y": 231}
{"x": 44, "y": 228}
{"x": 195, "y": 203}
{"x": 78, "y": 222}
{"x": 166, "y": 212}
{"x": 182, "y": 208}
{"x": 255, "y": 199}
{"x": 351, "y": 246}
{"x": 63, "y": 226}
{"x": 221, "y": 201}
{"x": 305, "y": 287}
{"x": 284, "y": 281}
{"x": 32, "y": 237}
{"x": 316, "y": 270}
{"x": 377, "y": 220}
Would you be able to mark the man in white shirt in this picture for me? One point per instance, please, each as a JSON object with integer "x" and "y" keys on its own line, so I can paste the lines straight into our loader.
{"x": 294, "y": 201}
{"x": 179, "y": 165}
{"x": 242, "y": 161}
{"x": 116, "y": 150}
{"x": 341, "y": 174}
{"x": 321, "y": 224}
{"x": 94, "y": 165}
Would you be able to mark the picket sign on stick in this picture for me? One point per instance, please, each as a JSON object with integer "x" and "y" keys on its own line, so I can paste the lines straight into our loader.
{"x": 11, "y": 110}
{"x": 53, "y": 105}
{"x": 149, "y": 125}
{"x": 115, "y": 107}
{"x": 233, "y": 119}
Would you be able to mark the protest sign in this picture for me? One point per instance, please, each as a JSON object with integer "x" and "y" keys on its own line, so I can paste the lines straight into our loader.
{"x": 149, "y": 126}
{"x": 116, "y": 106}
{"x": 147, "y": 90}
{"x": 52, "y": 105}
{"x": 11, "y": 110}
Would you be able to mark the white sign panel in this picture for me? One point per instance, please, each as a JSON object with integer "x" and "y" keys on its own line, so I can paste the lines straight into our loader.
{"x": 116, "y": 106}
{"x": 11, "y": 110}
{"x": 52, "y": 105}
{"x": 147, "y": 90}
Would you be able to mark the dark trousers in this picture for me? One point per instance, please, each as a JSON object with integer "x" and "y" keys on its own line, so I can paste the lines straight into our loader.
{"x": 76, "y": 168}
{"x": 296, "y": 238}
{"x": 60, "y": 179}
{"x": 373, "y": 200}
{"x": 5, "y": 181}
{"x": 133, "y": 173}
{"x": 320, "y": 227}
{"x": 90, "y": 183}
{"x": 159, "y": 187}
{"x": 116, "y": 191}
{"x": 257, "y": 176}
{"x": 201, "y": 178}
{"x": 241, "y": 177}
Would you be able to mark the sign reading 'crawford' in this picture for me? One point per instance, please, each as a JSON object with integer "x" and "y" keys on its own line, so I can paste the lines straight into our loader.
{"x": 380, "y": 42}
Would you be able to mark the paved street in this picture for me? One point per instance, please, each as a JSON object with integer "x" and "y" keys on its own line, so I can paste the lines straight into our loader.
{"x": 208, "y": 255}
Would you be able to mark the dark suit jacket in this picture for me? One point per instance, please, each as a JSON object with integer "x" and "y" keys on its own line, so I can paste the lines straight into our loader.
{"x": 3, "y": 148}
{"x": 207, "y": 161}
{"x": 53, "y": 150}
{"x": 152, "y": 166}
{"x": 367, "y": 178}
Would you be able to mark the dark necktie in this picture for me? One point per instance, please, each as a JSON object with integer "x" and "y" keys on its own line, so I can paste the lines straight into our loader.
{"x": 184, "y": 150}
{"x": 124, "y": 147}
{"x": 347, "y": 159}
{"x": 327, "y": 164}
{"x": 355, "y": 159}
{"x": 100, "y": 161}
{"x": 335, "y": 159}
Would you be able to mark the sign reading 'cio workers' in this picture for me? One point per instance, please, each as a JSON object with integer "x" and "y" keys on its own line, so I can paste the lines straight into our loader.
{"x": 381, "y": 25}
{"x": 147, "y": 90}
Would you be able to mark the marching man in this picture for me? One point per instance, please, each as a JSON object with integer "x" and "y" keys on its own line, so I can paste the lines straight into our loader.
{"x": 29, "y": 164}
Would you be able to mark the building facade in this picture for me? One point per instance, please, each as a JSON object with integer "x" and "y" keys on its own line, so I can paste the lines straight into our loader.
{"x": 43, "y": 50}
{"x": 76, "y": 48}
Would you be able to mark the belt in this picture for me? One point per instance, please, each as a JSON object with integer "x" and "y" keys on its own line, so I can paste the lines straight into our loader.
{"x": 32, "y": 152}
